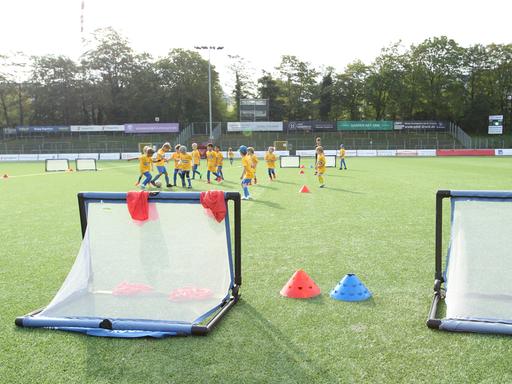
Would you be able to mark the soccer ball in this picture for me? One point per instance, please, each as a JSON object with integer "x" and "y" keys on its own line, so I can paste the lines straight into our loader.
{"x": 158, "y": 184}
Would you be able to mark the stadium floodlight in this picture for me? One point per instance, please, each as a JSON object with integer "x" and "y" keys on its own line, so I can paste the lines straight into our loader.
{"x": 209, "y": 48}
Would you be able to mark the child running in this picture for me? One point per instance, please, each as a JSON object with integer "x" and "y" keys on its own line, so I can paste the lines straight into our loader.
{"x": 211, "y": 163}
{"x": 176, "y": 157}
{"x": 145, "y": 166}
{"x": 231, "y": 155}
{"x": 160, "y": 165}
{"x": 254, "y": 159}
{"x": 144, "y": 150}
{"x": 220, "y": 161}
{"x": 196, "y": 157}
{"x": 270, "y": 158}
{"x": 320, "y": 165}
{"x": 247, "y": 173}
{"x": 185, "y": 166}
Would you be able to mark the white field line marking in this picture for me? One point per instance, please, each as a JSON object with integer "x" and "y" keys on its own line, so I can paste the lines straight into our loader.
{"x": 63, "y": 172}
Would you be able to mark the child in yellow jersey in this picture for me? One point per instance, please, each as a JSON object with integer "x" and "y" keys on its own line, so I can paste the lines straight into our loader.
{"x": 320, "y": 165}
{"x": 220, "y": 161}
{"x": 144, "y": 150}
{"x": 160, "y": 165}
{"x": 145, "y": 166}
{"x": 196, "y": 158}
{"x": 185, "y": 166}
{"x": 231, "y": 155}
{"x": 247, "y": 173}
{"x": 176, "y": 157}
{"x": 211, "y": 162}
{"x": 342, "y": 157}
{"x": 254, "y": 159}
{"x": 270, "y": 158}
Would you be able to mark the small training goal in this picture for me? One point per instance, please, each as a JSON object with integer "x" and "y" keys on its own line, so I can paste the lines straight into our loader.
{"x": 56, "y": 165}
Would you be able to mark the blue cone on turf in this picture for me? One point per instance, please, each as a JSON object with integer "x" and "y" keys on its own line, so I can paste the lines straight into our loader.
{"x": 350, "y": 288}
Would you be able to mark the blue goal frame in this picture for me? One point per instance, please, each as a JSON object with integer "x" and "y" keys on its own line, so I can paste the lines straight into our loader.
{"x": 131, "y": 328}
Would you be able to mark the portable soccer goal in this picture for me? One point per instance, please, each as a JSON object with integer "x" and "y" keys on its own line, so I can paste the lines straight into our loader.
{"x": 148, "y": 278}
{"x": 56, "y": 165}
{"x": 330, "y": 161}
{"x": 289, "y": 161}
{"x": 474, "y": 289}
{"x": 85, "y": 165}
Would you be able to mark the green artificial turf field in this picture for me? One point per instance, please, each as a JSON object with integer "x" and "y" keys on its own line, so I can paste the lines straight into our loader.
{"x": 375, "y": 220}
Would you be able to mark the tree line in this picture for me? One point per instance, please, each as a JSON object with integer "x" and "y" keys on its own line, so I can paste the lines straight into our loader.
{"x": 112, "y": 84}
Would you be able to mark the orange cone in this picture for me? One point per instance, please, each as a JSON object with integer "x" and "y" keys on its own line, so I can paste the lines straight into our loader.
{"x": 301, "y": 172}
{"x": 304, "y": 189}
{"x": 300, "y": 286}
{"x": 5, "y": 176}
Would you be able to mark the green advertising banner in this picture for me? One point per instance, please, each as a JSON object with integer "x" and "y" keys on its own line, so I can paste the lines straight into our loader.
{"x": 364, "y": 125}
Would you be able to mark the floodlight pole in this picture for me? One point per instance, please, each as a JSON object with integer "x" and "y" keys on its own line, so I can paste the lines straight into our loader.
{"x": 209, "y": 84}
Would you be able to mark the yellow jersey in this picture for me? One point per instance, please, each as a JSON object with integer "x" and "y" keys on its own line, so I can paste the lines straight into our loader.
{"x": 342, "y": 153}
{"x": 220, "y": 159}
{"x": 160, "y": 156}
{"x": 247, "y": 163}
{"x": 186, "y": 161}
{"x": 145, "y": 163}
{"x": 231, "y": 154}
{"x": 176, "y": 157}
{"x": 254, "y": 161}
{"x": 196, "y": 156}
{"x": 320, "y": 163}
{"x": 270, "y": 158}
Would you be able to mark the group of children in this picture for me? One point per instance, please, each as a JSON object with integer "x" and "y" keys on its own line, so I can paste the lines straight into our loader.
{"x": 185, "y": 163}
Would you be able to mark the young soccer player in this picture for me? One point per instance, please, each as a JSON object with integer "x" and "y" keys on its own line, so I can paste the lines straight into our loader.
{"x": 318, "y": 143}
{"x": 254, "y": 159}
{"x": 196, "y": 157}
{"x": 144, "y": 150}
{"x": 342, "y": 157}
{"x": 185, "y": 166}
{"x": 176, "y": 157}
{"x": 231, "y": 155}
{"x": 220, "y": 161}
{"x": 145, "y": 166}
{"x": 270, "y": 158}
{"x": 160, "y": 164}
{"x": 247, "y": 173}
{"x": 211, "y": 163}
{"x": 320, "y": 165}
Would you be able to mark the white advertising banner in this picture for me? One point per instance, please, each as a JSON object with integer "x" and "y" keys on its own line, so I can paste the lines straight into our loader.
{"x": 503, "y": 152}
{"x": 129, "y": 155}
{"x": 47, "y": 156}
{"x": 9, "y": 157}
{"x": 367, "y": 152}
{"x": 28, "y": 157}
{"x": 331, "y": 152}
{"x": 110, "y": 156}
{"x": 88, "y": 156}
{"x": 350, "y": 153}
{"x": 406, "y": 152}
{"x": 255, "y": 126}
{"x": 97, "y": 128}
{"x": 68, "y": 156}
{"x": 305, "y": 152}
{"x": 426, "y": 152}
{"x": 386, "y": 152}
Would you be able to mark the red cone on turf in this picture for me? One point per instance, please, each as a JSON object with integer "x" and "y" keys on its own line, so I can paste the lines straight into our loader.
{"x": 5, "y": 176}
{"x": 304, "y": 189}
{"x": 301, "y": 172}
{"x": 302, "y": 166}
{"x": 300, "y": 286}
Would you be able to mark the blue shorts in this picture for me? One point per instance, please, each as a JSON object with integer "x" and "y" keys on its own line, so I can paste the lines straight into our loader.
{"x": 161, "y": 169}
{"x": 246, "y": 181}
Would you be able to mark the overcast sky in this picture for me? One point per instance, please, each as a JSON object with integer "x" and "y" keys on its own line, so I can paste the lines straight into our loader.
{"x": 322, "y": 32}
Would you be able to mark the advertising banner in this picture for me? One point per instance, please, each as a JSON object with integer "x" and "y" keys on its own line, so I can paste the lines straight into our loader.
{"x": 495, "y": 124}
{"x": 152, "y": 128}
{"x": 68, "y": 156}
{"x": 9, "y": 157}
{"x": 386, "y": 152}
{"x": 503, "y": 152}
{"x": 305, "y": 152}
{"x": 27, "y": 157}
{"x": 110, "y": 156}
{"x": 465, "y": 152}
{"x": 406, "y": 152}
{"x": 366, "y": 152}
{"x": 420, "y": 124}
{"x": 255, "y": 126}
{"x": 364, "y": 125}
{"x": 43, "y": 129}
{"x": 10, "y": 131}
{"x": 47, "y": 156}
{"x": 426, "y": 152}
{"x": 129, "y": 155}
{"x": 310, "y": 125}
{"x": 88, "y": 156}
{"x": 97, "y": 128}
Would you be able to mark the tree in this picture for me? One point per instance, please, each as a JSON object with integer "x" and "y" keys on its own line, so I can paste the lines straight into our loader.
{"x": 349, "y": 91}
{"x": 326, "y": 91}
{"x": 243, "y": 86}
{"x": 269, "y": 88}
